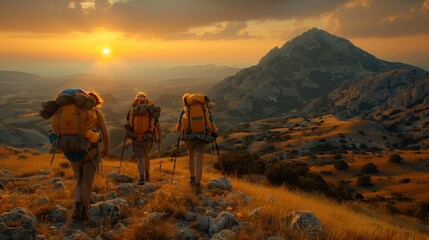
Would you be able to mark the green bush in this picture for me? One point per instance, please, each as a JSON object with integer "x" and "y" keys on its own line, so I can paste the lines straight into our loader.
{"x": 240, "y": 164}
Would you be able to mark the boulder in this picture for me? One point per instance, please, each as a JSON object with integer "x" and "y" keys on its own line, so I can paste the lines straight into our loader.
{"x": 186, "y": 234}
{"x": 43, "y": 171}
{"x": 125, "y": 189}
{"x": 240, "y": 197}
{"x": 225, "y": 235}
{"x": 77, "y": 234}
{"x": 305, "y": 221}
{"x": 221, "y": 183}
{"x": 224, "y": 220}
{"x": 119, "y": 178}
{"x": 148, "y": 188}
{"x": 19, "y": 223}
{"x": 58, "y": 214}
{"x": 58, "y": 186}
{"x": 109, "y": 211}
{"x": 96, "y": 197}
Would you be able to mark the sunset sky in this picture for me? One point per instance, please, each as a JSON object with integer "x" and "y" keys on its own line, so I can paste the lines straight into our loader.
{"x": 70, "y": 35}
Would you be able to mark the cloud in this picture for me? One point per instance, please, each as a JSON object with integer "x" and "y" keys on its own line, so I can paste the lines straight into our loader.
{"x": 381, "y": 18}
{"x": 152, "y": 18}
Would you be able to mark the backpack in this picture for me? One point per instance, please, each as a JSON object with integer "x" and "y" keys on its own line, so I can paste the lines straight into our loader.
{"x": 74, "y": 122}
{"x": 196, "y": 124}
{"x": 142, "y": 119}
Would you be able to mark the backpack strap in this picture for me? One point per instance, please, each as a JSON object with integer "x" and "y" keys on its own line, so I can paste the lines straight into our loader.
{"x": 189, "y": 118}
{"x": 204, "y": 117}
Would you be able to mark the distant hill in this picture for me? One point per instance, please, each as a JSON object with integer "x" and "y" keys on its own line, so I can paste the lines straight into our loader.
{"x": 287, "y": 78}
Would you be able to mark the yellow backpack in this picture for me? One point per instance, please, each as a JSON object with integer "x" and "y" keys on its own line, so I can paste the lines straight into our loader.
{"x": 196, "y": 119}
{"x": 142, "y": 120}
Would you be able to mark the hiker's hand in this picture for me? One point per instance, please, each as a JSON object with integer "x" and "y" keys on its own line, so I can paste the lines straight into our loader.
{"x": 214, "y": 135}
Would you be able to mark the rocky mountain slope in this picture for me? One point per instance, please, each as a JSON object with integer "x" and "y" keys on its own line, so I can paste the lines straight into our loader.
{"x": 309, "y": 66}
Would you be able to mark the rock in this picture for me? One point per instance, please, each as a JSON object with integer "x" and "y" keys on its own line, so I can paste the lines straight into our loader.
{"x": 42, "y": 199}
{"x": 224, "y": 220}
{"x": 36, "y": 187}
{"x": 211, "y": 214}
{"x": 255, "y": 213}
{"x": 125, "y": 189}
{"x": 43, "y": 171}
{"x": 240, "y": 196}
{"x": 305, "y": 221}
{"x": 186, "y": 234}
{"x": 221, "y": 183}
{"x": 199, "y": 209}
{"x": 6, "y": 173}
{"x": 112, "y": 195}
{"x": 224, "y": 235}
{"x": 203, "y": 223}
{"x": 155, "y": 216}
{"x": 41, "y": 237}
{"x": 59, "y": 186}
{"x": 142, "y": 201}
{"x": 54, "y": 180}
{"x": 207, "y": 202}
{"x": 19, "y": 223}
{"x": 109, "y": 211}
{"x": 243, "y": 227}
{"x": 148, "y": 188}
{"x": 77, "y": 234}
{"x": 190, "y": 216}
{"x": 119, "y": 178}
{"x": 58, "y": 214}
{"x": 116, "y": 233}
{"x": 225, "y": 203}
{"x": 96, "y": 197}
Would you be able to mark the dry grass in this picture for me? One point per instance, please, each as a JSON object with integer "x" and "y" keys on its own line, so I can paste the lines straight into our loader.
{"x": 340, "y": 221}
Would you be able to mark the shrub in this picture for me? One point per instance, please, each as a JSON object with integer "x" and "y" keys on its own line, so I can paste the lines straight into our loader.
{"x": 364, "y": 181}
{"x": 341, "y": 165}
{"x": 395, "y": 158}
{"x": 369, "y": 168}
{"x": 240, "y": 164}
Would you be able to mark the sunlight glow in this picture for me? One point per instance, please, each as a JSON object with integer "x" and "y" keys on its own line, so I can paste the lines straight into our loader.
{"x": 106, "y": 51}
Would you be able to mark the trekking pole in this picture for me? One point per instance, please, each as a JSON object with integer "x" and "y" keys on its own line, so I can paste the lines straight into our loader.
{"x": 175, "y": 157}
{"x": 122, "y": 154}
{"x": 160, "y": 162}
{"x": 221, "y": 166}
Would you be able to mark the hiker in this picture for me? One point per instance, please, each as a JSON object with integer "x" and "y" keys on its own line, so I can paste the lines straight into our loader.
{"x": 198, "y": 129}
{"x": 78, "y": 126}
{"x": 144, "y": 127}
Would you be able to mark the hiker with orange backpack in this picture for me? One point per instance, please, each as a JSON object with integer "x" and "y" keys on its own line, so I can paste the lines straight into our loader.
{"x": 198, "y": 129}
{"x": 144, "y": 127}
{"x": 78, "y": 126}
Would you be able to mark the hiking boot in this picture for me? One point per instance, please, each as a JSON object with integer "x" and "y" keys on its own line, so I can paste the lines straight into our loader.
{"x": 141, "y": 180}
{"x": 198, "y": 188}
{"x": 84, "y": 213}
{"x": 147, "y": 177}
{"x": 192, "y": 182}
{"x": 77, "y": 213}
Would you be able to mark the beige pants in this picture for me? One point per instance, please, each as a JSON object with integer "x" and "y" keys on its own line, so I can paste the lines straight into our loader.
{"x": 196, "y": 165}
{"x": 141, "y": 152}
{"x": 84, "y": 174}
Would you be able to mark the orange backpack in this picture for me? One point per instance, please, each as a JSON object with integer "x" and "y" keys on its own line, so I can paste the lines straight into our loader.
{"x": 196, "y": 119}
{"x": 142, "y": 120}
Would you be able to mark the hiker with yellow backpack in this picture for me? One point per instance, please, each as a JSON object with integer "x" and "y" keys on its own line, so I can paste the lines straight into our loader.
{"x": 198, "y": 129}
{"x": 78, "y": 126}
{"x": 144, "y": 128}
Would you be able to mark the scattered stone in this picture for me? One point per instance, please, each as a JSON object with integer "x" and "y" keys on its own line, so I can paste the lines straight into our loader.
{"x": 224, "y": 235}
{"x": 240, "y": 196}
{"x": 125, "y": 189}
{"x": 142, "y": 201}
{"x": 155, "y": 216}
{"x": 36, "y": 187}
{"x": 203, "y": 223}
{"x": 207, "y": 202}
{"x": 43, "y": 199}
{"x": 96, "y": 197}
{"x": 41, "y": 237}
{"x": 221, "y": 183}
{"x": 59, "y": 186}
{"x": 190, "y": 216}
{"x": 115, "y": 233}
{"x": 77, "y": 234}
{"x": 148, "y": 188}
{"x": 109, "y": 211}
{"x": 224, "y": 220}
{"x": 19, "y": 190}
{"x": 255, "y": 213}
{"x": 58, "y": 214}
{"x": 246, "y": 227}
{"x": 43, "y": 171}
{"x": 6, "y": 173}
{"x": 112, "y": 195}
{"x": 211, "y": 213}
{"x": 54, "y": 180}
{"x": 19, "y": 223}
{"x": 186, "y": 234}
{"x": 225, "y": 203}
{"x": 306, "y": 222}
{"x": 119, "y": 178}
{"x": 199, "y": 209}
{"x": 275, "y": 238}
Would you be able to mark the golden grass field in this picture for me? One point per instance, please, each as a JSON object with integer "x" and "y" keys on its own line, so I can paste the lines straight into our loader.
{"x": 339, "y": 221}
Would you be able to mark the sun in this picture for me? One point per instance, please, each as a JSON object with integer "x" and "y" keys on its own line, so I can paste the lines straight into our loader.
{"x": 106, "y": 52}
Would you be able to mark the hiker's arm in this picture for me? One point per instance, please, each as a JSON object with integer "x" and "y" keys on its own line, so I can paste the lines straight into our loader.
{"x": 215, "y": 129}
{"x": 158, "y": 132}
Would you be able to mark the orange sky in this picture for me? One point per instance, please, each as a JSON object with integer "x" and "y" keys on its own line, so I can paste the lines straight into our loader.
{"x": 176, "y": 32}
